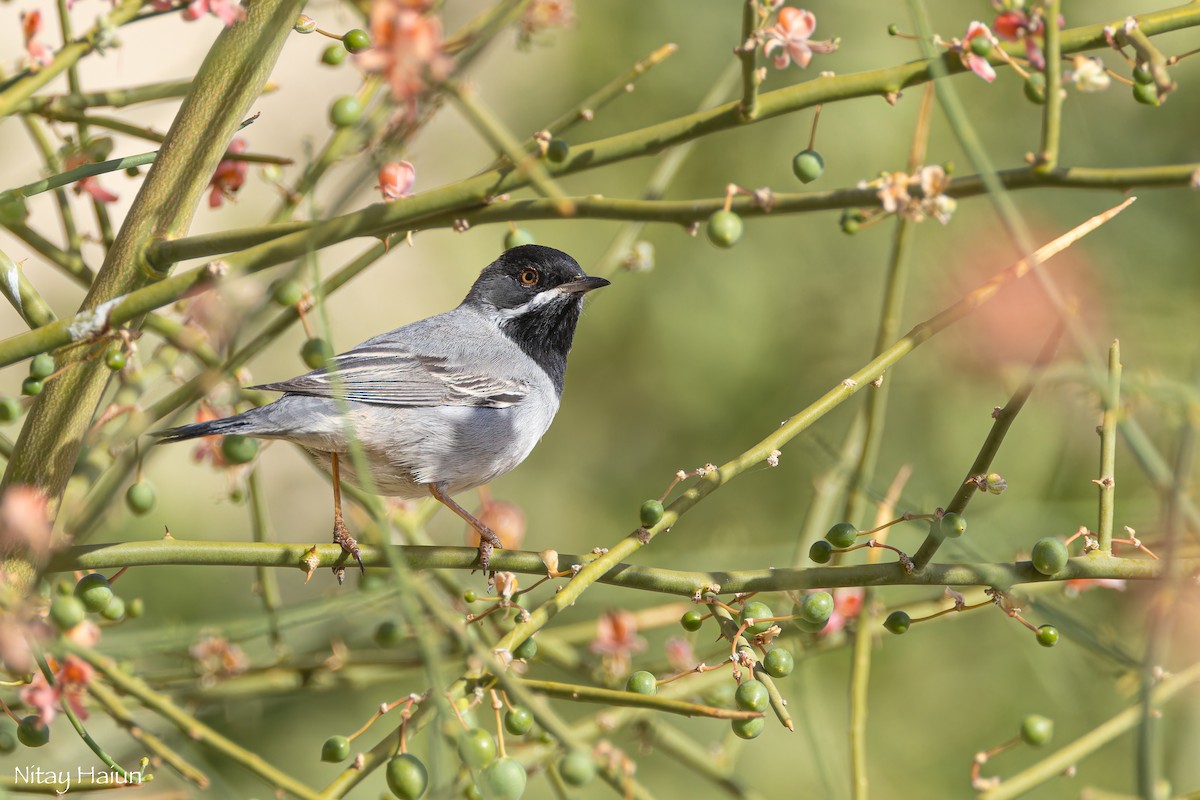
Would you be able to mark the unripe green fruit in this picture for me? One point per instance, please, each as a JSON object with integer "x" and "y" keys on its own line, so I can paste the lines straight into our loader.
{"x": 842, "y": 535}
{"x": 469, "y": 596}
{"x": 1037, "y": 730}
{"x": 817, "y": 607}
{"x": 10, "y": 409}
{"x": 577, "y": 768}
{"x": 808, "y": 165}
{"x": 518, "y": 721}
{"x": 95, "y": 591}
{"x": 557, "y": 150}
{"x": 526, "y": 649}
{"x": 135, "y": 608}
{"x": 1142, "y": 74}
{"x": 642, "y": 682}
{"x": 951, "y": 525}
{"x": 1047, "y": 636}
{"x": 1049, "y": 556}
{"x": 238, "y": 449}
{"x": 32, "y": 732}
{"x": 345, "y": 111}
{"x": 1035, "y": 88}
{"x": 31, "y": 387}
{"x": 503, "y": 779}
{"x": 517, "y": 237}
{"x": 779, "y": 662}
{"x": 42, "y": 366}
{"x": 1146, "y": 94}
{"x": 821, "y": 551}
{"x": 316, "y": 353}
{"x": 407, "y": 777}
{"x": 893, "y": 29}
{"x": 691, "y": 620}
{"x": 140, "y": 497}
{"x": 748, "y": 728}
{"x": 388, "y": 634}
{"x": 850, "y": 221}
{"x": 981, "y": 45}
{"x": 651, "y": 513}
{"x": 752, "y": 695}
{"x": 115, "y": 610}
{"x": 288, "y": 293}
{"x": 335, "y": 749}
{"x": 754, "y": 610}
{"x": 897, "y": 622}
{"x": 356, "y": 40}
{"x": 333, "y": 55}
{"x": 115, "y": 358}
{"x": 476, "y": 748}
{"x": 724, "y": 229}
{"x": 66, "y": 611}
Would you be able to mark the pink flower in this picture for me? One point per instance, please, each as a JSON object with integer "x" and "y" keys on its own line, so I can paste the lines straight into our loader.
{"x": 24, "y": 521}
{"x": 616, "y": 640}
{"x": 70, "y": 681}
{"x": 971, "y": 60}
{"x": 406, "y": 49}
{"x": 680, "y": 654}
{"x": 1079, "y": 585}
{"x": 791, "y": 35}
{"x": 396, "y": 179}
{"x": 39, "y": 54}
{"x": 228, "y": 11}
{"x": 91, "y": 186}
{"x": 229, "y": 176}
{"x": 542, "y": 14}
{"x": 847, "y": 604}
{"x": 1020, "y": 25}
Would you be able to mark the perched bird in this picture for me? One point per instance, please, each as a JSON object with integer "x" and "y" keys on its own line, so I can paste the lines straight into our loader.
{"x": 441, "y": 405}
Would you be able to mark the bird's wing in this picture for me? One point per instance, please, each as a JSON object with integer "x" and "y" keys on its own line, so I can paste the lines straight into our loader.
{"x": 391, "y": 374}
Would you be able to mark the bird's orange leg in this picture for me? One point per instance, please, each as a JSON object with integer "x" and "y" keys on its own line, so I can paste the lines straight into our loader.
{"x": 341, "y": 536}
{"x": 488, "y": 540}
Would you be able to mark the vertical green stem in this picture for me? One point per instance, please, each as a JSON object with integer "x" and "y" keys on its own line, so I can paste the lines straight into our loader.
{"x": 860, "y": 674}
{"x": 1047, "y": 159}
{"x": 1108, "y": 447}
{"x": 748, "y": 54}
{"x": 268, "y": 583}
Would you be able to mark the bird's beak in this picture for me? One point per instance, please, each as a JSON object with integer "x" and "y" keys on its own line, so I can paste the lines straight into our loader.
{"x": 582, "y": 285}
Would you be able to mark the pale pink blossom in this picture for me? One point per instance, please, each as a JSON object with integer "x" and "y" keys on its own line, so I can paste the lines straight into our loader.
{"x": 970, "y": 59}
{"x": 406, "y": 48}
{"x": 1080, "y": 585}
{"x": 70, "y": 681}
{"x": 229, "y": 176}
{"x": 540, "y": 15}
{"x": 847, "y": 605}
{"x": 680, "y": 654}
{"x": 228, "y": 11}
{"x": 396, "y": 179}
{"x": 1088, "y": 74}
{"x": 39, "y": 54}
{"x": 792, "y": 37}
{"x": 24, "y": 521}
{"x": 616, "y": 640}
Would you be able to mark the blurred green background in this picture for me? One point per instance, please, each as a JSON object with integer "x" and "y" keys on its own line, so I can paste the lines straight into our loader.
{"x": 699, "y": 358}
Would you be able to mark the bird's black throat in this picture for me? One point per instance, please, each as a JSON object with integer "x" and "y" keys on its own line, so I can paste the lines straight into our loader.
{"x": 545, "y": 335}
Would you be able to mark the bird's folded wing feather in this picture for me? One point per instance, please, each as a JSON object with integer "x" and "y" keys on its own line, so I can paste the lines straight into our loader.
{"x": 390, "y": 374}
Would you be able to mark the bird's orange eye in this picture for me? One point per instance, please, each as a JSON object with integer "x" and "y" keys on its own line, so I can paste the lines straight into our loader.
{"x": 529, "y": 277}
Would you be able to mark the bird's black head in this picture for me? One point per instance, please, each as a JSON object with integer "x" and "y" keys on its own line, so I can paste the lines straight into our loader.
{"x": 535, "y": 295}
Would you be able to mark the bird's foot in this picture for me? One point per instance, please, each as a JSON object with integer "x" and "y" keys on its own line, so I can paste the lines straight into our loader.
{"x": 488, "y": 543}
{"x": 349, "y": 545}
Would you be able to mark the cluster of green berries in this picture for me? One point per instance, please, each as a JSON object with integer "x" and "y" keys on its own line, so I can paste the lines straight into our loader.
{"x": 1144, "y": 90}
{"x": 498, "y": 778}
{"x": 839, "y": 537}
{"x": 93, "y": 593}
{"x": 41, "y": 367}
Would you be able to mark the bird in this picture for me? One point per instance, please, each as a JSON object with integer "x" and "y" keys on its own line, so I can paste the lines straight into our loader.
{"x": 441, "y": 405}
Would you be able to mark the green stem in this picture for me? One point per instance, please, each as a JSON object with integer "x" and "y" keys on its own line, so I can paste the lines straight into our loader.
{"x": 112, "y": 98}
{"x": 21, "y": 293}
{"x": 1047, "y": 159}
{"x": 613, "y": 697}
{"x": 747, "y": 53}
{"x": 860, "y": 681}
{"x": 695, "y": 758}
{"x": 79, "y": 173}
{"x": 1111, "y": 403}
{"x": 268, "y": 583}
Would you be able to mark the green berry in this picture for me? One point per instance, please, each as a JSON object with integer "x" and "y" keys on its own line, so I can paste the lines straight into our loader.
{"x": 42, "y": 366}
{"x": 691, "y": 620}
{"x": 893, "y": 29}
{"x": 817, "y": 607}
{"x": 1049, "y": 556}
{"x": 779, "y": 662}
{"x": 652, "y": 512}
{"x": 897, "y": 622}
{"x": 140, "y": 497}
{"x": 333, "y": 55}
{"x": 388, "y": 634}
{"x": 476, "y": 748}
{"x": 407, "y": 776}
{"x": 335, "y": 749}
{"x": 842, "y": 535}
{"x": 135, "y": 608}
{"x": 32, "y": 732}
{"x": 951, "y": 525}
{"x": 503, "y": 779}
{"x": 66, "y": 611}
{"x": 517, "y": 237}
{"x": 1035, "y": 88}
{"x": 356, "y": 40}
{"x": 31, "y": 387}
{"x": 95, "y": 591}
{"x": 287, "y": 293}
{"x": 238, "y": 449}
{"x": 469, "y": 596}
{"x": 577, "y": 768}
{"x": 557, "y": 150}
{"x": 115, "y": 610}
{"x": 757, "y": 611}
{"x": 1142, "y": 74}
{"x": 850, "y": 221}
{"x": 10, "y": 409}
{"x": 13, "y": 211}
{"x": 724, "y": 229}
{"x": 1047, "y": 636}
{"x": 526, "y": 649}
{"x": 316, "y": 353}
{"x": 345, "y": 111}
{"x": 749, "y": 728}
{"x": 1146, "y": 94}
{"x": 821, "y": 551}
{"x": 642, "y": 682}
{"x": 752, "y": 695}
{"x": 1037, "y": 730}
{"x": 518, "y": 721}
{"x": 115, "y": 358}
{"x": 981, "y": 45}
{"x": 808, "y": 165}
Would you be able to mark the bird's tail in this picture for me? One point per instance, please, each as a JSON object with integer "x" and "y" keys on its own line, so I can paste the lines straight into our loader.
{"x": 239, "y": 423}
